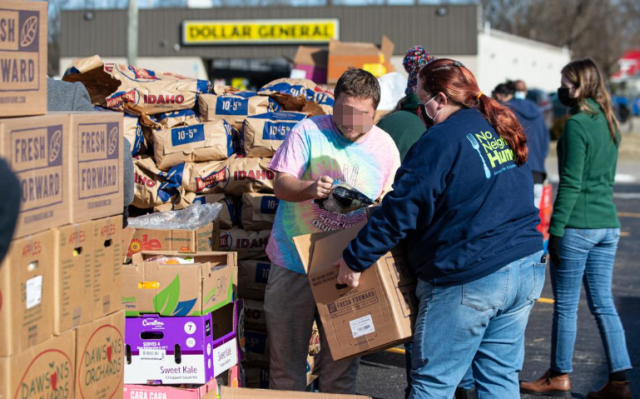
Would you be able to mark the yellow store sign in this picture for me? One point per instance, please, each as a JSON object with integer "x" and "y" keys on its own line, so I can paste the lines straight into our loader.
{"x": 260, "y": 31}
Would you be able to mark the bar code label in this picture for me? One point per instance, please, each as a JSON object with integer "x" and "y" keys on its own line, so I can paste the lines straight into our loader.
{"x": 362, "y": 326}
{"x": 152, "y": 354}
{"x": 34, "y": 291}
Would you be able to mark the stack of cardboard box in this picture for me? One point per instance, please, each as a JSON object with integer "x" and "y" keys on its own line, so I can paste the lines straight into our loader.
{"x": 61, "y": 323}
{"x": 183, "y": 325}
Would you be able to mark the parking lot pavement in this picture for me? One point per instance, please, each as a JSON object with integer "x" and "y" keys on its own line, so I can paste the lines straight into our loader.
{"x": 382, "y": 375}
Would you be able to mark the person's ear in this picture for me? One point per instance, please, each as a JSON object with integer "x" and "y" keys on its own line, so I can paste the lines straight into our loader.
{"x": 442, "y": 100}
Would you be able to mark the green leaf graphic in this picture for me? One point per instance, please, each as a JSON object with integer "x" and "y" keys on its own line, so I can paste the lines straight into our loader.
{"x": 211, "y": 293}
{"x": 166, "y": 301}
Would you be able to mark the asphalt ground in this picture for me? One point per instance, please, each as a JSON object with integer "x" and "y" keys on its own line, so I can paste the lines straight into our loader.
{"x": 382, "y": 375}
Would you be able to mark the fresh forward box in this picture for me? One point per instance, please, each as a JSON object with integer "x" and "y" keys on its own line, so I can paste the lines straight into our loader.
{"x": 26, "y": 293}
{"x": 182, "y": 350}
{"x": 37, "y": 150}
{"x": 152, "y": 286}
{"x": 376, "y": 315}
{"x": 43, "y": 371}
{"x": 23, "y": 56}
{"x": 96, "y": 176}
{"x": 100, "y": 358}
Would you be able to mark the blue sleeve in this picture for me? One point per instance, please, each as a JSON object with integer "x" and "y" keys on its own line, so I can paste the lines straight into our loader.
{"x": 410, "y": 205}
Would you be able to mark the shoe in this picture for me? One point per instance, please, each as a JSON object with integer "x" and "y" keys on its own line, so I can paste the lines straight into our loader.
{"x": 548, "y": 385}
{"x": 612, "y": 390}
{"x": 466, "y": 393}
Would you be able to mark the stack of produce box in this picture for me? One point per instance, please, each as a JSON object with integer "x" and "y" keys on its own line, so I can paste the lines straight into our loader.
{"x": 195, "y": 143}
{"x": 61, "y": 318}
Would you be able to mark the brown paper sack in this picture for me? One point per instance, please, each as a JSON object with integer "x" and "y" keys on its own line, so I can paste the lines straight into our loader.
{"x": 150, "y": 188}
{"x": 263, "y": 134}
{"x": 209, "y": 141}
{"x": 258, "y": 211}
{"x": 248, "y": 244}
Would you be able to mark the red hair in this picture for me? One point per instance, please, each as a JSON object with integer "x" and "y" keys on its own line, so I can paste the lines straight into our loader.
{"x": 456, "y": 82}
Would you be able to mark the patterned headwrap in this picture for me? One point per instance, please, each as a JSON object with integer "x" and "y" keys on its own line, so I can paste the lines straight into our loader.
{"x": 413, "y": 61}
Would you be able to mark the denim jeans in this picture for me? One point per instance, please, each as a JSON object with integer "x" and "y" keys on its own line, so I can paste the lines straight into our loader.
{"x": 467, "y": 382}
{"x": 586, "y": 257}
{"x": 479, "y": 324}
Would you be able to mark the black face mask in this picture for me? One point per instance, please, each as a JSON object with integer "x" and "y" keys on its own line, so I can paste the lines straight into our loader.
{"x": 563, "y": 96}
{"x": 424, "y": 116}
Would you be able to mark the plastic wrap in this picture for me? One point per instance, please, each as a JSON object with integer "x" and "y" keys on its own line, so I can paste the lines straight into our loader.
{"x": 192, "y": 218}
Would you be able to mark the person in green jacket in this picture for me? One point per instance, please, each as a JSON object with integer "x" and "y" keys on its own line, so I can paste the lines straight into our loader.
{"x": 584, "y": 233}
{"x": 403, "y": 123}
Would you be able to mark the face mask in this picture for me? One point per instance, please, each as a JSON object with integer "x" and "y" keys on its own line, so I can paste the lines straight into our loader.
{"x": 424, "y": 114}
{"x": 521, "y": 95}
{"x": 563, "y": 96}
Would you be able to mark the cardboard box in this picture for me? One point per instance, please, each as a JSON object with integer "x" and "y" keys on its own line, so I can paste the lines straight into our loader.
{"x": 96, "y": 153}
{"x": 206, "y": 391}
{"x": 44, "y": 371}
{"x": 37, "y": 150}
{"x": 313, "y": 61}
{"x": 73, "y": 262}
{"x": 179, "y": 290}
{"x": 26, "y": 293}
{"x": 23, "y": 53}
{"x": 100, "y": 358}
{"x": 107, "y": 266}
{"x": 181, "y": 350}
{"x": 367, "y": 56}
{"x": 204, "y": 239}
{"x": 246, "y": 393}
{"x": 374, "y": 316}
{"x": 253, "y": 276}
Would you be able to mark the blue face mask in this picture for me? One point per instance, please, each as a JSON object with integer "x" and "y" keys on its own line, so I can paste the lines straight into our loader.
{"x": 521, "y": 95}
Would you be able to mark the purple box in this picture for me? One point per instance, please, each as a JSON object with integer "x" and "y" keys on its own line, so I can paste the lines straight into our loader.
{"x": 183, "y": 350}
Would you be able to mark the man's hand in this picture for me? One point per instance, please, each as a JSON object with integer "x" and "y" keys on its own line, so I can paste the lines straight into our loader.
{"x": 554, "y": 249}
{"x": 346, "y": 275}
{"x": 321, "y": 188}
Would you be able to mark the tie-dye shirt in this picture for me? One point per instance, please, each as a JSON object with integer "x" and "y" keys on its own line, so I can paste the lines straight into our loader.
{"x": 315, "y": 148}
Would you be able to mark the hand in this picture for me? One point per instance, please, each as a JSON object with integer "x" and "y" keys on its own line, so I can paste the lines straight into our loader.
{"x": 346, "y": 275}
{"x": 554, "y": 249}
{"x": 321, "y": 188}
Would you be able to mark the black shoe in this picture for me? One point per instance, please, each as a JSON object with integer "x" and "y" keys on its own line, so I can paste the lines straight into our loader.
{"x": 466, "y": 393}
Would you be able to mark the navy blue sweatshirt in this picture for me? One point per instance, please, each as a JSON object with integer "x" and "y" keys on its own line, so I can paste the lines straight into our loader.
{"x": 459, "y": 202}
{"x": 535, "y": 128}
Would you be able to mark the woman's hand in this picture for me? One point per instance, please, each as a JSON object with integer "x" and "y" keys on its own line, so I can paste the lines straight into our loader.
{"x": 346, "y": 275}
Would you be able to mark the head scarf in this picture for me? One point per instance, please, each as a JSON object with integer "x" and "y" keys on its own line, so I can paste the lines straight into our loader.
{"x": 413, "y": 61}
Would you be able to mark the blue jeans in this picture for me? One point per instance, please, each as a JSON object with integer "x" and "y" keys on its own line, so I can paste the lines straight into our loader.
{"x": 467, "y": 382}
{"x": 479, "y": 324}
{"x": 586, "y": 256}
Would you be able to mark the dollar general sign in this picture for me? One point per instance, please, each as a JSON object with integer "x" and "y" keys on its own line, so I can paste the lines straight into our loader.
{"x": 260, "y": 31}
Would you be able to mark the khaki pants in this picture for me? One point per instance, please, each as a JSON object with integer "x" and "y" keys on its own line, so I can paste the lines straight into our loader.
{"x": 290, "y": 311}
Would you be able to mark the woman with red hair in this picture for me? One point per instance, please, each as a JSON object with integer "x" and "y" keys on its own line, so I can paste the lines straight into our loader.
{"x": 462, "y": 205}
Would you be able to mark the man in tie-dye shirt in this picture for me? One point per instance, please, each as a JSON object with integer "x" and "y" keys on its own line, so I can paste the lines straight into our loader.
{"x": 318, "y": 151}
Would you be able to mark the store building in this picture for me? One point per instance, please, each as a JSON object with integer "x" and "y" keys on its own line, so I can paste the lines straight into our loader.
{"x": 256, "y": 45}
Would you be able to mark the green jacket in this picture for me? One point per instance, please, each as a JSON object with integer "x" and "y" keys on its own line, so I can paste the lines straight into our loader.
{"x": 404, "y": 126}
{"x": 587, "y": 160}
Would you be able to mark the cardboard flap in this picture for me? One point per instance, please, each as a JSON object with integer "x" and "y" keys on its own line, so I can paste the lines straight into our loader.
{"x": 305, "y": 244}
{"x": 351, "y": 49}
{"x": 328, "y": 249}
{"x": 386, "y": 48}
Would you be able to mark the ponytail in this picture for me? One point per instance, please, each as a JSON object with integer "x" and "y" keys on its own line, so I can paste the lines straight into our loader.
{"x": 460, "y": 86}
{"x": 507, "y": 126}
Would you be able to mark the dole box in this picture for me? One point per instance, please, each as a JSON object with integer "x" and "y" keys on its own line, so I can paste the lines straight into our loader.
{"x": 96, "y": 186}
{"x": 204, "y": 239}
{"x": 37, "y": 150}
{"x": 195, "y": 289}
{"x": 23, "y": 58}
{"x": 376, "y": 315}
{"x": 181, "y": 350}
{"x": 26, "y": 294}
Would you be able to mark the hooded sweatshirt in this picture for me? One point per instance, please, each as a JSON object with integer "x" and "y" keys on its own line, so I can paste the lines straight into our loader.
{"x": 463, "y": 215}
{"x": 404, "y": 126}
{"x": 536, "y": 130}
